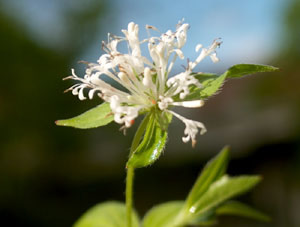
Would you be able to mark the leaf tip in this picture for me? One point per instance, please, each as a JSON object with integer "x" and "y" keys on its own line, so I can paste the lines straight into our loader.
{"x": 277, "y": 69}
{"x": 258, "y": 178}
{"x": 225, "y": 151}
{"x": 273, "y": 68}
{"x": 60, "y": 123}
{"x": 226, "y": 148}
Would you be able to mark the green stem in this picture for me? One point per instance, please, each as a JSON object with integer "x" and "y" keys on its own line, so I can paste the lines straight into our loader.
{"x": 129, "y": 193}
{"x": 130, "y": 170}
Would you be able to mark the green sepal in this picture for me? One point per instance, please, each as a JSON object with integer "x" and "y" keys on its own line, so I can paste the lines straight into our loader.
{"x": 152, "y": 144}
{"x": 108, "y": 214}
{"x": 163, "y": 118}
{"x": 240, "y": 70}
{"x": 139, "y": 133}
{"x": 239, "y": 209}
{"x": 93, "y": 118}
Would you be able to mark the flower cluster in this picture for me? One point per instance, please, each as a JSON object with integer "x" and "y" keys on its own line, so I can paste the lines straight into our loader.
{"x": 146, "y": 83}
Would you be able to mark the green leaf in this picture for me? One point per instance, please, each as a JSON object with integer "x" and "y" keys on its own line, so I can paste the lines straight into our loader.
{"x": 212, "y": 171}
{"x": 163, "y": 215}
{"x": 240, "y": 209}
{"x": 247, "y": 69}
{"x": 151, "y": 146}
{"x": 211, "y": 83}
{"x": 205, "y": 78}
{"x": 96, "y": 117}
{"x": 109, "y": 214}
{"x": 223, "y": 189}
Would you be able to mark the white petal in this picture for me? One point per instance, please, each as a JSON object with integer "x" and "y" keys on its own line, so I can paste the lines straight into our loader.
{"x": 179, "y": 53}
{"x": 81, "y": 95}
{"x": 191, "y": 128}
{"x": 214, "y": 57}
{"x": 181, "y": 35}
{"x": 131, "y": 27}
{"x": 123, "y": 77}
{"x": 186, "y": 139}
{"x": 198, "y": 47}
{"x": 164, "y": 102}
{"x": 190, "y": 104}
{"x": 91, "y": 93}
{"x": 147, "y": 80}
{"x": 75, "y": 90}
{"x": 206, "y": 52}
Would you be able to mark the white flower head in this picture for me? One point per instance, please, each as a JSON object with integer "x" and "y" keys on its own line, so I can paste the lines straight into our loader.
{"x": 146, "y": 82}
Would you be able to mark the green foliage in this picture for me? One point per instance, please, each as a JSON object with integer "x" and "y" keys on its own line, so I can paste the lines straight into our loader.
{"x": 96, "y": 117}
{"x": 207, "y": 199}
{"x": 211, "y": 83}
{"x": 152, "y": 144}
{"x": 247, "y": 69}
{"x": 109, "y": 214}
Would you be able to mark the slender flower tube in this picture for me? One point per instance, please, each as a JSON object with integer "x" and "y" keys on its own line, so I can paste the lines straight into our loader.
{"x": 143, "y": 83}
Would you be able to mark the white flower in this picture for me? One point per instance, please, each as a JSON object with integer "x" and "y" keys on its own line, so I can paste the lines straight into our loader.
{"x": 145, "y": 83}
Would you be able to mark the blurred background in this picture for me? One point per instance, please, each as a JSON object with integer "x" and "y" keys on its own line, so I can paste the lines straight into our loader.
{"x": 50, "y": 175}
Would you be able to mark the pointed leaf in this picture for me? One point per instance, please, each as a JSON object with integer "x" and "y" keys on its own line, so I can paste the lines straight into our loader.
{"x": 212, "y": 171}
{"x": 163, "y": 215}
{"x": 212, "y": 82}
{"x": 96, "y": 117}
{"x": 247, "y": 69}
{"x": 151, "y": 146}
{"x": 240, "y": 209}
{"x": 222, "y": 190}
{"x": 109, "y": 214}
